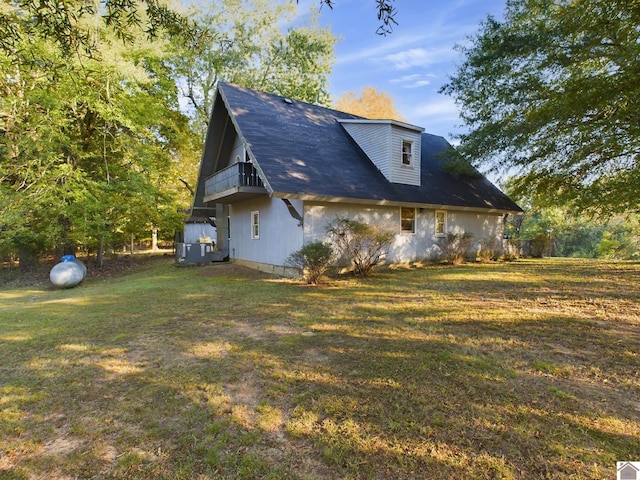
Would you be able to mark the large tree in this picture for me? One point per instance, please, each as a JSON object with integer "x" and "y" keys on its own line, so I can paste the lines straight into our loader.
{"x": 71, "y": 24}
{"x": 551, "y": 96}
{"x": 90, "y": 147}
{"x": 243, "y": 42}
{"x": 371, "y": 104}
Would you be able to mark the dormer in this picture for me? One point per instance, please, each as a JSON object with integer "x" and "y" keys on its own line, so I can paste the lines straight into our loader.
{"x": 392, "y": 146}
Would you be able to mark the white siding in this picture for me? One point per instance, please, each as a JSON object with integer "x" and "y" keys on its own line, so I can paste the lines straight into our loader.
{"x": 375, "y": 141}
{"x": 280, "y": 234}
{"x": 406, "y": 247}
{"x": 408, "y": 174}
{"x": 237, "y": 153}
{"x": 382, "y": 142}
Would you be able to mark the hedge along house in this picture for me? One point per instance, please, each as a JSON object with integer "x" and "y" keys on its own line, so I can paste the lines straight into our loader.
{"x": 275, "y": 172}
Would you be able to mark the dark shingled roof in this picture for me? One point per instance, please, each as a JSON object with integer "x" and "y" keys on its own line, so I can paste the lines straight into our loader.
{"x": 304, "y": 151}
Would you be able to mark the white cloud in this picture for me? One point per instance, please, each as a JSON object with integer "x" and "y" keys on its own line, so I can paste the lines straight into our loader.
{"x": 418, "y": 57}
{"x": 382, "y": 46}
{"x": 445, "y": 107}
{"x": 414, "y": 80}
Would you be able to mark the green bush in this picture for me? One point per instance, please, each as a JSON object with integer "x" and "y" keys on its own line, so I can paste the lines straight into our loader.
{"x": 360, "y": 243}
{"x": 608, "y": 246}
{"x": 539, "y": 245}
{"x": 312, "y": 260}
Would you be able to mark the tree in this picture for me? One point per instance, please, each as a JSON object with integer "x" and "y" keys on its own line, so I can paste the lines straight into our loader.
{"x": 89, "y": 147}
{"x": 572, "y": 233}
{"x": 72, "y": 25}
{"x": 551, "y": 95}
{"x": 371, "y": 104}
{"x": 242, "y": 42}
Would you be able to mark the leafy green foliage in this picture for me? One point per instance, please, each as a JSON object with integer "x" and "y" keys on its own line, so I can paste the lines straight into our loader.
{"x": 242, "y": 42}
{"x": 551, "y": 94}
{"x": 312, "y": 260}
{"x": 360, "y": 243}
{"x": 71, "y": 26}
{"x": 91, "y": 147}
{"x": 540, "y": 244}
{"x": 574, "y": 234}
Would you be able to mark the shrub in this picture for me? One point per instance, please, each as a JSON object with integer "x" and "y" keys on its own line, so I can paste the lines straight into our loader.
{"x": 608, "y": 246}
{"x": 539, "y": 244}
{"x": 455, "y": 246}
{"x": 312, "y": 260}
{"x": 360, "y": 243}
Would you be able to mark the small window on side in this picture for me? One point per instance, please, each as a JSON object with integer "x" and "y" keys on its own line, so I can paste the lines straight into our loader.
{"x": 255, "y": 225}
{"x": 407, "y": 220}
{"x": 441, "y": 223}
{"x": 407, "y": 153}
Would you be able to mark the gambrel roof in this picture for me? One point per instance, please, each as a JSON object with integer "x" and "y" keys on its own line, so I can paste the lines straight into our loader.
{"x": 302, "y": 151}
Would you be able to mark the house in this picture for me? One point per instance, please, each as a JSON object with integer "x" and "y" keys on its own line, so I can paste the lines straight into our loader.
{"x": 628, "y": 470}
{"x": 275, "y": 172}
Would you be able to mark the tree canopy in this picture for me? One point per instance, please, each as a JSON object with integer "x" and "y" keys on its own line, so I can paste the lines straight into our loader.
{"x": 91, "y": 146}
{"x": 370, "y": 104}
{"x": 97, "y": 145}
{"x": 243, "y": 42}
{"x": 551, "y": 96}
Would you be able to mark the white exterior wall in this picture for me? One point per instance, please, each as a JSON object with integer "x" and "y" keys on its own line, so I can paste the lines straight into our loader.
{"x": 375, "y": 141}
{"x": 408, "y": 174}
{"x": 237, "y": 153}
{"x": 483, "y": 226}
{"x": 280, "y": 234}
{"x": 406, "y": 247}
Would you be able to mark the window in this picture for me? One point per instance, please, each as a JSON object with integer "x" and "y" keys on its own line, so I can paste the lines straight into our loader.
{"x": 407, "y": 220}
{"x": 441, "y": 222}
{"x": 255, "y": 225}
{"x": 407, "y": 152}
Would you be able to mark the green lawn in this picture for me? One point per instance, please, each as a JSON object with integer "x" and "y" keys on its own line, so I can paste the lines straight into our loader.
{"x": 529, "y": 369}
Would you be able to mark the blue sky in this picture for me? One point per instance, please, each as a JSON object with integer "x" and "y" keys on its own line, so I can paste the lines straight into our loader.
{"x": 413, "y": 62}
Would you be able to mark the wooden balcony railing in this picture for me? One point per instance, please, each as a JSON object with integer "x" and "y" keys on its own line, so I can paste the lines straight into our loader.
{"x": 232, "y": 178}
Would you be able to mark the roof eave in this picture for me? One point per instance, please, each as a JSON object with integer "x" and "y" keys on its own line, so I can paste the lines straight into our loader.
{"x": 390, "y": 203}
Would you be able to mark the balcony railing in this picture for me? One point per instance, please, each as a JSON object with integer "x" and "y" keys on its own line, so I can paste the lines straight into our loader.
{"x": 233, "y": 178}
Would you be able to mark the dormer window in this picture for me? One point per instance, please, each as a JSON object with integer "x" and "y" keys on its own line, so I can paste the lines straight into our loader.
{"x": 394, "y": 147}
{"x": 407, "y": 153}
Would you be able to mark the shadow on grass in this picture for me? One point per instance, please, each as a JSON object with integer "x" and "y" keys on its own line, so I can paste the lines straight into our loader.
{"x": 481, "y": 371}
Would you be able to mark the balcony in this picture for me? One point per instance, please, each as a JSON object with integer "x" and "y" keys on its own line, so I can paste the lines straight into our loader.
{"x": 238, "y": 182}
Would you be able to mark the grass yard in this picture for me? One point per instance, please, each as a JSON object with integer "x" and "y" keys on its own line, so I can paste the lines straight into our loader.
{"x": 528, "y": 369}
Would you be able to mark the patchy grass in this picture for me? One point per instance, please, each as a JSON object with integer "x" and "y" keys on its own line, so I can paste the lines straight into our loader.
{"x": 517, "y": 370}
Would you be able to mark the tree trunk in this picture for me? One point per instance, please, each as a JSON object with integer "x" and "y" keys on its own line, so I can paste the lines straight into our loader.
{"x": 154, "y": 240}
{"x": 100, "y": 256}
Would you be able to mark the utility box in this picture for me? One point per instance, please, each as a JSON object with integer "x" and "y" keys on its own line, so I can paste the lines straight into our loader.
{"x": 195, "y": 253}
